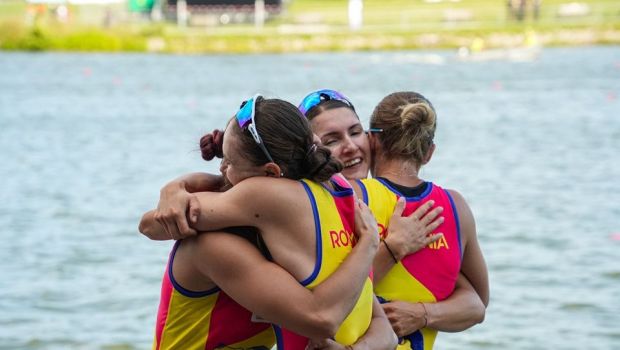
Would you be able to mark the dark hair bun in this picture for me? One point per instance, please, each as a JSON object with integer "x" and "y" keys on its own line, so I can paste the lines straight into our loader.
{"x": 211, "y": 145}
{"x": 320, "y": 165}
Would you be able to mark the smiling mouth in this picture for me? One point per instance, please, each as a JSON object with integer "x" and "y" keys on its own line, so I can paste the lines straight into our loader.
{"x": 352, "y": 162}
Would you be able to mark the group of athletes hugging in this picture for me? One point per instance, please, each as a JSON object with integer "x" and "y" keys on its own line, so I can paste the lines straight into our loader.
{"x": 294, "y": 245}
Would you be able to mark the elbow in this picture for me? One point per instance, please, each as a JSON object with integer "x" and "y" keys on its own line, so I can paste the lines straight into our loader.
{"x": 479, "y": 313}
{"x": 482, "y": 314}
{"x": 323, "y": 327}
{"x": 142, "y": 227}
{"x": 485, "y": 301}
{"x": 146, "y": 228}
{"x": 329, "y": 329}
{"x": 482, "y": 307}
{"x": 393, "y": 341}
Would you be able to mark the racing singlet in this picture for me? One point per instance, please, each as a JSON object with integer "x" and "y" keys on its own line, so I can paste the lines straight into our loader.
{"x": 334, "y": 215}
{"x": 189, "y": 320}
{"x": 428, "y": 275}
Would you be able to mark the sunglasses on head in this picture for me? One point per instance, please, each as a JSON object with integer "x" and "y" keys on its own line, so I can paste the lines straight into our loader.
{"x": 315, "y": 98}
{"x": 245, "y": 119}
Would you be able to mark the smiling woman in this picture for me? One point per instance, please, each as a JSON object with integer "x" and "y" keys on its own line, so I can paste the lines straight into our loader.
{"x": 270, "y": 158}
{"x": 333, "y": 118}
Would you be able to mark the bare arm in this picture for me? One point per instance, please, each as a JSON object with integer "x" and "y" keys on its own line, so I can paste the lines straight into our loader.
{"x": 177, "y": 205}
{"x": 467, "y": 304}
{"x": 462, "y": 310}
{"x": 151, "y": 228}
{"x": 473, "y": 266}
{"x": 196, "y": 182}
{"x": 207, "y": 210}
{"x": 271, "y": 292}
{"x": 380, "y": 334}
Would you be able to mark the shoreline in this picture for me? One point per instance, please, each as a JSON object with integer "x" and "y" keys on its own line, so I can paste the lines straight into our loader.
{"x": 153, "y": 38}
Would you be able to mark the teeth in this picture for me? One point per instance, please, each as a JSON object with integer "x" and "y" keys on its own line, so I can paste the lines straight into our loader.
{"x": 353, "y": 162}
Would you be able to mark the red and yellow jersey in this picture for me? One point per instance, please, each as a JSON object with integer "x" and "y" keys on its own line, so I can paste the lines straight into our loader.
{"x": 334, "y": 217}
{"x": 428, "y": 275}
{"x": 189, "y": 320}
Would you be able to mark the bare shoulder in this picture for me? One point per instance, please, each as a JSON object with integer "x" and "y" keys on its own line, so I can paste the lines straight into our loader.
{"x": 264, "y": 186}
{"x": 270, "y": 194}
{"x": 226, "y": 249}
{"x": 459, "y": 201}
{"x": 466, "y": 217}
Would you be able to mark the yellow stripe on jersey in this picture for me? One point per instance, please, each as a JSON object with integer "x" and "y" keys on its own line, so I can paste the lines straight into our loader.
{"x": 336, "y": 243}
{"x": 187, "y": 329}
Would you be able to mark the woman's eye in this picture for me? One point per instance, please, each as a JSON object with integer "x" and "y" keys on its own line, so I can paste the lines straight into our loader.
{"x": 329, "y": 142}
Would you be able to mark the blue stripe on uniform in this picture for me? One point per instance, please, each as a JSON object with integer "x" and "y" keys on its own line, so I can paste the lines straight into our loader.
{"x": 317, "y": 225}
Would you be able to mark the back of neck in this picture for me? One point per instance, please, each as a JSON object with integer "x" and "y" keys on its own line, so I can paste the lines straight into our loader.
{"x": 398, "y": 171}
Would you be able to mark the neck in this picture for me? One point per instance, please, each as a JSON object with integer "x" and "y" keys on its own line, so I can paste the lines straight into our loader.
{"x": 398, "y": 171}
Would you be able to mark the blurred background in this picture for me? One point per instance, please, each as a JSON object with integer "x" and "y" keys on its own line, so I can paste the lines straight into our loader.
{"x": 92, "y": 124}
{"x": 196, "y": 26}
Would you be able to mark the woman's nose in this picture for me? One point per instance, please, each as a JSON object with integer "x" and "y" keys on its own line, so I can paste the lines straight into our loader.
{"x": 348, "y": 145}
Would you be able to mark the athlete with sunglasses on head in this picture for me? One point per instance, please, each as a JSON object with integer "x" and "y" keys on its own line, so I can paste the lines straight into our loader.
{"x": 283, "y": 185}
{"x": 334, "y": 120}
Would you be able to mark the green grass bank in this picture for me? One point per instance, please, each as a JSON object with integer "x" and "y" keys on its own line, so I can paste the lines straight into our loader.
{"x": 314, "y": 25}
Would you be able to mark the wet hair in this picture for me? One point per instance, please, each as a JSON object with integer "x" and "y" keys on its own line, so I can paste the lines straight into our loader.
{"x": 408, "y": 120}
{"x": 325, "y": 106}
{"x": 289, "y": 140}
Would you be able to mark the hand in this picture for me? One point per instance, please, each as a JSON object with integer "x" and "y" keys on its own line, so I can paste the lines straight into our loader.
{"x": 365, "y": 224}
{"x": 405, "y": 318}
{"x": 211, "y": 145}
{"x": 175, "y": 205}
{"x": 408, "y": 234}
{"x": 325, "y": 344}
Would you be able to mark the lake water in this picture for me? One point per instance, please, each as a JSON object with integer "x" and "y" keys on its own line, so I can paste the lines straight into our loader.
{"x": 87, "y": 140}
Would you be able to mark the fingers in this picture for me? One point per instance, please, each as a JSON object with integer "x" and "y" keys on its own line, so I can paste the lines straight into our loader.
{"x": 159, "y": 218}
{"x": 194, "y": 209}
{"x": 183, "y": 228}
{"x": 434, "y": 225}
{"x": 432, "y": 238}
{"x": 431, "y": 215}
{"x": 175, "y": 224}
{"x": 365, "y": 222}
{"x": 390, "y": 313}
{"x": 358, "y": 213}
{"x": 421, "y": 211}
{"x": 400, "y": 207}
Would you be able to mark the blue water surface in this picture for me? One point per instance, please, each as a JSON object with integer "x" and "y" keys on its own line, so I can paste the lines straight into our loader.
{"x": 87, "y": 140}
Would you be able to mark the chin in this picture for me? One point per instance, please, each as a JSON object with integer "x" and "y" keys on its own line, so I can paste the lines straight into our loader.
{"x": 355, "y": 173}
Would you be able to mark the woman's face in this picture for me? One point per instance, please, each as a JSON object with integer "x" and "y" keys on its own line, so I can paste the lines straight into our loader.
{"x": 235, "y": 164}
{"x": 341, "y": 132}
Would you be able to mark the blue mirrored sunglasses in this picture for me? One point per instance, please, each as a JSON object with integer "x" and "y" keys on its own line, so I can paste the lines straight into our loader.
{"x": 245, "y": 118}
{"x": 315, "y": 98}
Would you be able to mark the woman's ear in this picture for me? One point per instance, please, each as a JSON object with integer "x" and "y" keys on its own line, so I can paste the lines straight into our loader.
{"x": 272, "y": 170}
{"x": 429, "y": 154}
{"x": 371, "y": 139}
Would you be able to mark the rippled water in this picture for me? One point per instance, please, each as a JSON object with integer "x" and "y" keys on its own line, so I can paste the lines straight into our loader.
{"x": 87, "y": 140}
